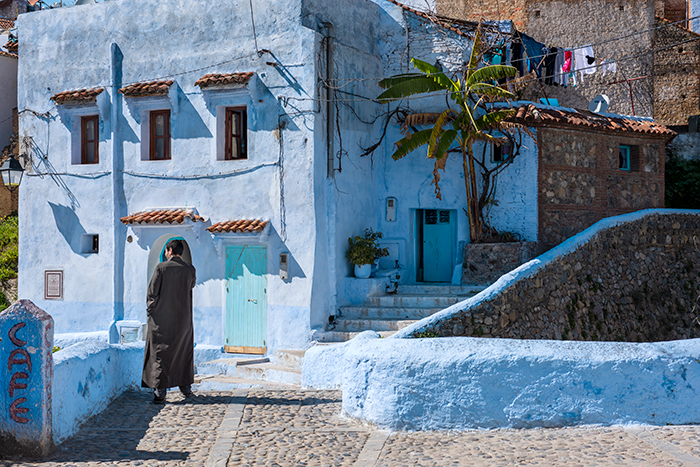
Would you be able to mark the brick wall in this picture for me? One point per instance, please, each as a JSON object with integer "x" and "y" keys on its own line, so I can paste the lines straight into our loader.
{"x": 637, "y": 281}
{"x": 580, "y": 181}
{"x": 474, "y": 10}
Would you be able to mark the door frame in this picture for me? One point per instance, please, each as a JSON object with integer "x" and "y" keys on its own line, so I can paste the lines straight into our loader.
{"x": 238, "y": 348}
{"x": 418, "y": 241}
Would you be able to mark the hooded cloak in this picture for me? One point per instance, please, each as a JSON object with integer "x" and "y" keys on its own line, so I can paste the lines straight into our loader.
{"x": 169, "y": 356}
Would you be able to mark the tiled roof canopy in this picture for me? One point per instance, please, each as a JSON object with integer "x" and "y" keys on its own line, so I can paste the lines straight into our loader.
{"x": 151, "y": 88}
{"x": 215, "y": 79}
{"x": 537, "y": 116}
{"x": 241, "y": 226}
{"x": 8, "y": 54}
{"x": 6, "y": 23}
{"x": 162, "y": 216}
{"x": 12, "y": 45}
{"x": 80, "y": 95}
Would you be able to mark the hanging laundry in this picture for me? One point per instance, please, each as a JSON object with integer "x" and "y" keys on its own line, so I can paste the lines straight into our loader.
{"x": 608, "y": 66}
{"x": 550, "y": 65}
{"x": 527, "y": 54}
{"x": 568, "y": 59}
{"x": 559, "y": 77}
{"x": 585, "y": 60}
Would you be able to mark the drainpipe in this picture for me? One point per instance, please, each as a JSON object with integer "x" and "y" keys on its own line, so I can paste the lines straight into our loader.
{"x": 117, "y": 195}
{"x": 330, "y": 98}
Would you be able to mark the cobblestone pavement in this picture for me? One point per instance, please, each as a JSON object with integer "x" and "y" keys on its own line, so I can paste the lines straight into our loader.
{"x": 304, "y": 428}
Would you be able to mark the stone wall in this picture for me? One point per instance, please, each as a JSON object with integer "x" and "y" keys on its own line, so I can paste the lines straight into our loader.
{"x": 676, "y": 74}
{"x": 580, "y": 181}
{"x": 484, "y": 263}
{"x": 637, "y": 281}
{"x": 671, "y": 91}
{"x": 552, "y": 23}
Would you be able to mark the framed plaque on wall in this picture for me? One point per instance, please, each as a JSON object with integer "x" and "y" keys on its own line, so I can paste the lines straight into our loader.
{"x": 53, "y": 285}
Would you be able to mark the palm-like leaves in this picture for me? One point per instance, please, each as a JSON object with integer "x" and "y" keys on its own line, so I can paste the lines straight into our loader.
{"x": 466, "y": 126}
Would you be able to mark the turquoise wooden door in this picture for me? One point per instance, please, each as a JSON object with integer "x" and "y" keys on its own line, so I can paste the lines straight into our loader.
{"x": 437, "y": 245}
{"x": 246, "y": 299}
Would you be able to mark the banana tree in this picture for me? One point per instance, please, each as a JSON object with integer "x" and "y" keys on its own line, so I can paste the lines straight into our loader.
{"x": 470, "y": 121}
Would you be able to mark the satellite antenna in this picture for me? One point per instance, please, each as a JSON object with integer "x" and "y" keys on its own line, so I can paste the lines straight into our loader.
{"x": 599, "y": 104}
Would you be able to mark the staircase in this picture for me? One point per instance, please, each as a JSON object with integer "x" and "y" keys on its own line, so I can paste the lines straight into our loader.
{"x": 281, "y": 371}
{"x": 389, "y": 313}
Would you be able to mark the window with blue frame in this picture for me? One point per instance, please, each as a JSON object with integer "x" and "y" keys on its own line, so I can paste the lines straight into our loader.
{"x": 625, "y": 157}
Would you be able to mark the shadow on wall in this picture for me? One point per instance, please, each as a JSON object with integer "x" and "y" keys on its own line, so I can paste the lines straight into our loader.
{"x": 68, "y": 224}
{"x": 187, "y": 123}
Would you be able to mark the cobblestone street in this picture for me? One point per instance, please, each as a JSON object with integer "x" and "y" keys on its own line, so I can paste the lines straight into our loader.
{"x": 304, "y": 428}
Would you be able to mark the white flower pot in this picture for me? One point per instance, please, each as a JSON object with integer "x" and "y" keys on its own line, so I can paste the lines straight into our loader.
{"x": 363, "y": 271}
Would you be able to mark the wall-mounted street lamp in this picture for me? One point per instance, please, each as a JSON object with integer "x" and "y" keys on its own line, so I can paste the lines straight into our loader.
{"x": 11, "y": 172}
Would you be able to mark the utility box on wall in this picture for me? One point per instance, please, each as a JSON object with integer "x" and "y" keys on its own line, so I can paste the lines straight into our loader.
{"x": 284, "y": 266}
{"x": 391, "y": 209}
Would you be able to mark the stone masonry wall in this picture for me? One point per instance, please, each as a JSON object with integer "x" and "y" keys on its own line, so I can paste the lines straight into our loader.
{"x": 574, "y": 23}
{"x": 676, "y": 74}
{"x": 580, "y": 181}
{"x": 635, "y": 282}
{"x": 484, "y": 263}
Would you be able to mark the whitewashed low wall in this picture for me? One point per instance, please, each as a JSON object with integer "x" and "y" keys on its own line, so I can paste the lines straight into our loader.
{"x": 462, "y": 382}
{"x": 87, "y": 377}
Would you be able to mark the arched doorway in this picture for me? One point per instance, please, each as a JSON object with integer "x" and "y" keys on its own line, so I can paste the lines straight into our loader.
{"x": 157, "y": 253}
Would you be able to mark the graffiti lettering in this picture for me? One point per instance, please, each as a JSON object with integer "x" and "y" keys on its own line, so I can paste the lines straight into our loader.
{"x": 18, "y": 356}
{"x": 13, "y": 335}
{"x": 15, "y": 385}
{"x": 16, "y": 409}
{"x": 13, "y": 360}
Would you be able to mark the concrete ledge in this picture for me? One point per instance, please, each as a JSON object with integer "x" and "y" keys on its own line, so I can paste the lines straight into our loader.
{"x": 462, "y": 382}
{"x": 87, "y": 377}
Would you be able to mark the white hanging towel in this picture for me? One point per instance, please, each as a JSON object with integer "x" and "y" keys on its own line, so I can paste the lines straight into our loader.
{"x": 584, "y": 61}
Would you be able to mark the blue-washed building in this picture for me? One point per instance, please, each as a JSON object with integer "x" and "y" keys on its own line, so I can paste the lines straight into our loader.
{"x": 244, "y": 132}
{"x": 225, "y": 127}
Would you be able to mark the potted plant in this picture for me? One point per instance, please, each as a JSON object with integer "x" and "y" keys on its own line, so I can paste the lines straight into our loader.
{"x": 364, "y": 251}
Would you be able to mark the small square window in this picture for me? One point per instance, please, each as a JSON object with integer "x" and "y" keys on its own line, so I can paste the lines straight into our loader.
{"x": 501, "y": 153}
{"x": 89, "y": 139}
{"x": 625, "y": 158}
{"x": 236, "y": 137}
{"x": 159, "y": 135}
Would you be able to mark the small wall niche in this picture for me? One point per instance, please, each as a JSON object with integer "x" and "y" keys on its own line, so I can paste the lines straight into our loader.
{"x": 90, "y": 243}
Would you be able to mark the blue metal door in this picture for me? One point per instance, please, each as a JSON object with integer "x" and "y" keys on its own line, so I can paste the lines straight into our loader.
{"x": 246, "y": 299}
{"x": 437, "y": 245}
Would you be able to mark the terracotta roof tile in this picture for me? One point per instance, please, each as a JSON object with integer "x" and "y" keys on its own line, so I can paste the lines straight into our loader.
{"x": 241, "y": 226}
{"x": 531, "y": 114}
{"x": 7, "y": 23}
{"x": 215, "y": 79}
{"x": 79, "y": 95}
{"x": 150, "y": 88}
{"x": 12, "y": 45}
{"x": 8, "y": 54}
{"x": 162, "y": 216}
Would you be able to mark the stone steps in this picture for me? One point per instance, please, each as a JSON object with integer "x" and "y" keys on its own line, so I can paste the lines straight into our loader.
{"x": 389, "y": 313}
{"x": 374, "y": 312}
{"x": 285, "y": 368}
{"x": 333, "y": 337}
{"x": 375, "y": 324}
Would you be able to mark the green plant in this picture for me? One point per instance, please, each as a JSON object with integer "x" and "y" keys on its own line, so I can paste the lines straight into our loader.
{"x": 9, "y": 238}
{"x": 470, "y": 121}
{"x": 364, "y": 249}
{"x": 425, "y": 334}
